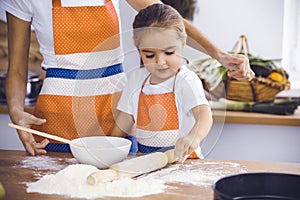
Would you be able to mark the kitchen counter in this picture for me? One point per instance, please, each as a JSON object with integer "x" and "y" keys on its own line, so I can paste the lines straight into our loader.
{"x": 235, "y": 117}
{"x": 13, "y": 176}
{"x": 230, "y": 117}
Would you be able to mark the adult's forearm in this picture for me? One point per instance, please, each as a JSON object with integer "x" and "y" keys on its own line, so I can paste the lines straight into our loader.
{"x": 18, "y": 51}
{"x": 199, "y": 41}
{"x": 15, "y": 93}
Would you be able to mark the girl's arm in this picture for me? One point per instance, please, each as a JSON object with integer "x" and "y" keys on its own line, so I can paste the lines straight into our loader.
{"x": 123, "y": 125}
{"x": 238, "y": 64}
{"x": 16, "y": 80}
{"x": 203, "y": 122}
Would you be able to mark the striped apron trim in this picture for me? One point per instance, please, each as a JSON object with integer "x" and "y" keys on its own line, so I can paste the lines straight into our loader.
{"x": 90, "y": 60}
{"x": 164, "y": 138}
{"x": 84, "y": 74}
{"x": 56, "y": 147}
{"x": 149, "y": 149}
{"x": 90, "y": 87}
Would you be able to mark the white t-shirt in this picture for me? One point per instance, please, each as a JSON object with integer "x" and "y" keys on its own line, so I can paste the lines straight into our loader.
{"x": 39, "y": 13}
{"x": 189, "y": 93}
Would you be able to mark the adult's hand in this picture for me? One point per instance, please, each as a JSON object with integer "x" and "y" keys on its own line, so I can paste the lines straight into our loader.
{"x": 31, "y": 146}
{"x": 238, "y": 65}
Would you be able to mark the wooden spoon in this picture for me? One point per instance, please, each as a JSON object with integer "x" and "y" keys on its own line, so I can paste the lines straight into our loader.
{"x": 53, "y": 137}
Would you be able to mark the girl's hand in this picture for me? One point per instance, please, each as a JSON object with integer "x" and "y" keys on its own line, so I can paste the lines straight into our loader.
{"x": 238, "y": 65}
{"x": 25, "y": 119}
{"x": 188, "y": 144}
{"x": 185, "y": 146}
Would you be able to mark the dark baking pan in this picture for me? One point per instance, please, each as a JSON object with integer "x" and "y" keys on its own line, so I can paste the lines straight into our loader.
{"x": 251, "y": 186}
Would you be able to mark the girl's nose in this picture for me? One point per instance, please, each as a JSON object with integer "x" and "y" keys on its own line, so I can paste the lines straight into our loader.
{"x": 161, "y": 60}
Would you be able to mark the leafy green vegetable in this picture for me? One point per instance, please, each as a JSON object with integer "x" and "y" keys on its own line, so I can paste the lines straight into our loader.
{"x": 286, "y": 107}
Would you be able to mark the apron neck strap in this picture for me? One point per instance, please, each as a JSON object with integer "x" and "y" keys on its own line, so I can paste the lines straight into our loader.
{"x": 150, "y": 75}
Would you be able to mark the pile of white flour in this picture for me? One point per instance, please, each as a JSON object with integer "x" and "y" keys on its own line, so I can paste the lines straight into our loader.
{"x": 71, "y": 180}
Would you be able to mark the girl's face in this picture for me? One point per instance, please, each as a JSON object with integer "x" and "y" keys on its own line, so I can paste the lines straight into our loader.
{"x": 161, "y": 52}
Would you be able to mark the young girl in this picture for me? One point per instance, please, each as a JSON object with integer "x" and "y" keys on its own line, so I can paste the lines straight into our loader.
{"x": 163, "y": 99}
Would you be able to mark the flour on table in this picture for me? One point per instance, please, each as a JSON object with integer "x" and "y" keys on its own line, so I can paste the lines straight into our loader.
{"x": 199, "y": 174}
{"x": 71, "y": 181}
{"x": 44, "y": 164}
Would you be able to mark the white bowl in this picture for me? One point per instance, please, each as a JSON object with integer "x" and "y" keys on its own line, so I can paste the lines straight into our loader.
{"x": 100, "y": 151}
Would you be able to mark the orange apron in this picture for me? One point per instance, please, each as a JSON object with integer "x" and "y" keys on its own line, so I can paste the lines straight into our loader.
{"x": 79, "y": 96}
{"x": 157, "y": 122}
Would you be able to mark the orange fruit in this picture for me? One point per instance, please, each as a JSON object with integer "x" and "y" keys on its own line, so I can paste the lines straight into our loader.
{"x": 275, "y": 76}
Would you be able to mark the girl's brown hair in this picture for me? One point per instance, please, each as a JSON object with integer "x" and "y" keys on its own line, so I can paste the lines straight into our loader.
{"x": 160, "y": 16}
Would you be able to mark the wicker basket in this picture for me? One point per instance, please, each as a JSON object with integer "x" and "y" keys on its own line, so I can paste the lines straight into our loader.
{"x": 258, "y": 89}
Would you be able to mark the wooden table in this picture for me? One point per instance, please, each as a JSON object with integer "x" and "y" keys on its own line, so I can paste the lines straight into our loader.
{"x": 13, "y": 177}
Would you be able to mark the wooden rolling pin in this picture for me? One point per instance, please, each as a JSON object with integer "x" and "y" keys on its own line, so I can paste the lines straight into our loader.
{"x": 132, "y": 167}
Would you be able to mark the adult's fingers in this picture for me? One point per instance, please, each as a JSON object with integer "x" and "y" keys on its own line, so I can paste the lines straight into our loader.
{"x": 27, "y": 139}
{"x": 29, "y": 148}
{"x": 238, "y": 75}
{"x": 39, "y": 148}
{"x": 35, "y": 120}
{"x": 241, "y": 75}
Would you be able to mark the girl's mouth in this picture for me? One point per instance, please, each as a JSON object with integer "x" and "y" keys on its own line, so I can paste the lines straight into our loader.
{"x": 162, "y": 70}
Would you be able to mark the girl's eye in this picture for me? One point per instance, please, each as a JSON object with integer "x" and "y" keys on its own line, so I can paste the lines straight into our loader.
{"x": 170, "y": 52}
{"x": 150, "y": 56}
